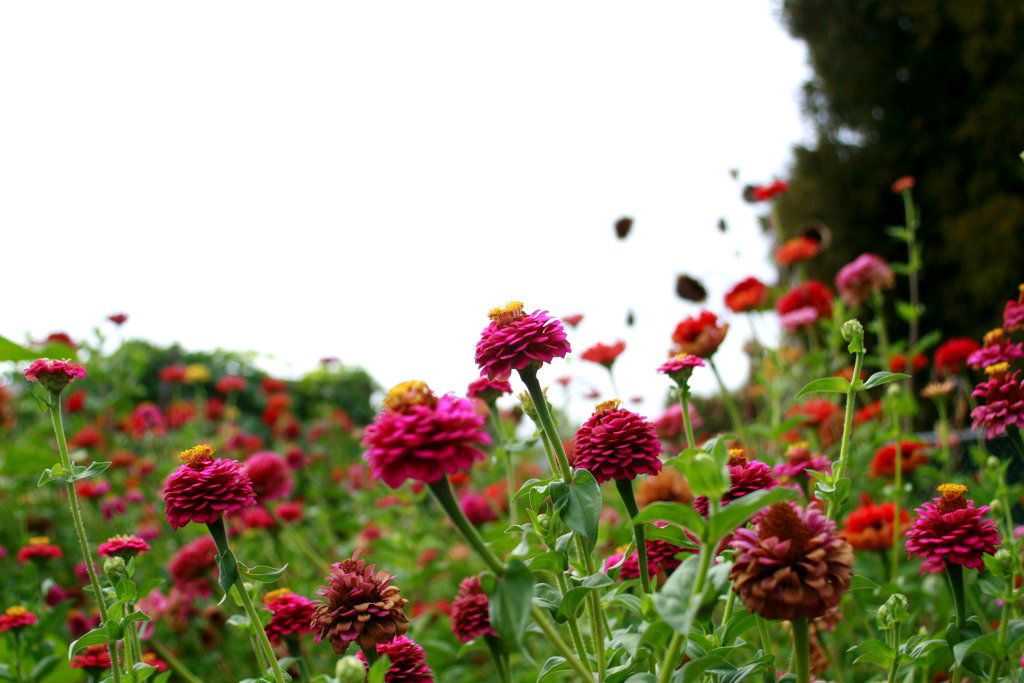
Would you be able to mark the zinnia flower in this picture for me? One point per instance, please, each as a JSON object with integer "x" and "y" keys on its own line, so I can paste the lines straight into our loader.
{"x": 793, "y": 565}
{"x": 670, "y": 424}
{"x": 862, "y": 277}
{"x": 172, "y": 373}
{"x": 913, "y": 454}
{"x": 290, "y": 614}
{"x": 1001, "y": 401}
{"x": 869, "y": 527}
{"x": 800, "y": 460}
{"x": 93, "y": 659}
{"x": 680, "y": 366}
{"x": 898, "y": 363}
{"x": 471, "y": 612}
{"x": 812, "y": 294}
{"x": 193, "y": 560}
{"x": 422, "y": 437}
{"x": 204, "y": 488}
{"x": 663, "y": 556}
{"x": 800, "y": 318}
{"x": 477, "y": 508}
{"x": 270, "y": 475}
{"x": 764, "y": 193}
{"x": 797, "y": 249}
{"x": 125, "y": 547}
{"x": 952, "y": 354}
{"x": 54, "y": 374}
{"x": 747, "y": 295}
{"x": 950, "y": 530}
{"x": 515, "y": 340}
{"x": 358, "y": 605}
{"x": 39, "y": 549}
{"x": 903, "y": 184}
{"x": 616, "y": 443}
{"x": 16, "y": 617}
{"x": 408, "y": 662}
{"x": 745, "y": 476}
{"x": 668, "y": 485}
{"x": 997, "y": 349}
{"x": 487, "y": 390}
{"x": 118, "y": 318}
{"x": 573, "y": 320}
{"x": 229, "y": 383}
{"x": 604, "y": 354}
{"x": 1013, "y": 312}
{"x": 700, "y": 335}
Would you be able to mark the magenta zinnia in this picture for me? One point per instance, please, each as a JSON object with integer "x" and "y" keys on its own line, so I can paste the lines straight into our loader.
{"x": 422, "y": 437}
{"x": 270, "y": 475}
{"x": 358, "y": 604}
{"x": 408, "y": 662}
{"x": 951, "y": 530}
{"x": 204, "y": 488}
{"x": 471, "y": 612}
{"x": 515, "y": 340}
{"x": 746, "y": 476}
{"x": 291, "y": 614}
{"x": 863, "y": 277}
{"x": 54, "y": 374}
{"x": 124, "y": 547}
{"x": 1001, "y": 401}
{"x": 793, "y": 565}
{"x": 616, "y": 443}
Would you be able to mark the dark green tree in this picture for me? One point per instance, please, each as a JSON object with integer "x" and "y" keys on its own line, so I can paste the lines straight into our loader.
{"x": 932, "y": 89}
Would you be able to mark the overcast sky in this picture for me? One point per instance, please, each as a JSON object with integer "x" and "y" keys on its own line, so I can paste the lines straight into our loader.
{"x": 365, "y": 180}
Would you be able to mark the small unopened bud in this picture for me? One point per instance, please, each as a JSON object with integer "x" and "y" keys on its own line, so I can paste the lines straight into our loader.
{"x": 992, "y": 463}
{"x": 853, "y": 332}
{"x": 527, "y": 402}
{"x": 1004, "y": 560}
{"x": 893, "y": 612}
{"x": 996, "y": 507}
{"x": 543, "y": 522}
{"x": 115, "y": 567}
{"x": 350, "y": 670}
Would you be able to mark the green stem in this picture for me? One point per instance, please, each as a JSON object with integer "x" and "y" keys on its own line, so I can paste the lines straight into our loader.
{"x": 574, "y": 628}
{"x": 57, "y": 420}
{"x": 17, "y": 656}
{"x": 766, "y": 644}
{"x": 371, "y": 655}
{"x": 1004, "y": 620}
{"x": 894, "y": 667}
{"x": 730, "y": 405}
{"x": 844, "y": 444}
{"x": 502, "y": 436}
{"x": 499, "y": 662}
{"x": 882, "y": 330}
{"x": 258, "y": 631}
{"x": 801, "y": 650}
{"x": 730, "y": 604}
{"x": 594, "y": 610}
{"x": 910, "y": 216}
{"x": 625, "y": 488}
{"x": 556, "y": 640}
{"x": 955, "y": 575}
{"x": 897, "y": 494}
{"x": 174, "y": 663}
{"x": 684, "y": 406}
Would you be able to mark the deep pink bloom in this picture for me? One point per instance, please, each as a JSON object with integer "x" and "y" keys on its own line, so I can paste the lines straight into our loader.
{"x": 488, "y": 390}
{"x": 670, "y": 425}
{"x": 951, "y": 530}
{"x": 122, "y": 546}
{"x": 680, "y": 366}
{"x": 799, "y": 460}
{"x": 1000, "y": 401}
{"x": 422, "y": 437}
{"x": 54, "y": 374}
{"x": 811, "y": 293}
{"x": 193, "y": 560}
{"x": 663, "y": 556}
{"x": 291, "y": 614}
{"x": 408, "y": 662}
{"x": 515, "y": 340}
{"x": 270, "y": 475}
{"x": 477, "y": 507}
{"x": 615, "y": 443}
{"x": 746, "y": 476}
{"x": 799, "y": 318}
{"x": 630, "y": 567}
{"x": 862, "y": 277}
{"x": 16, "y": 617}
{"x": 471, "y": 612}
{"x": 204, "y": 488}
{"x": 1013, "y": 314}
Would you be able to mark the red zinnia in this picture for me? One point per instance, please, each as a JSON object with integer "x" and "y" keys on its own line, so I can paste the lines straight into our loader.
{"x": 950, "y": 530}
{"x": 94, "y": 659}
{"x": 204, "y": 488}
{"x": 903, "y": 184}
{"x": 291, "y": 614}
{"x": 515, "y": 340}
{"x": 747, "y": 295}
{"x": 869, "y": 527}
{"x": 898, "y": 363}
{"x": 270, "y": 475}
{"x": 16, "y": 617}
{"x": 913, "y": 455}
{"x": 54, "y": 374}
{"x": 471, "y": 612}
{"x": 172, "y": 373}
{"x": 700, "y": 335}
{"x": 812, "y": 294}
{"x": 573, "y": 320}
{"x": 39, "y": 549}
{"x": 616, "y": 443}
{"x": 118, "y": 318}
{"x": 797, "y": 249}
{"x": 604, "y": 354}
{"x": 422, "y": 437}
{"x": 229, "y": 383}
{"x": 952, "y": 355}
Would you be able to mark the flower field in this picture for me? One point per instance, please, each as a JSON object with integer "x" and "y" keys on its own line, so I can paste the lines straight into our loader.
{"x": 850, "y": 514}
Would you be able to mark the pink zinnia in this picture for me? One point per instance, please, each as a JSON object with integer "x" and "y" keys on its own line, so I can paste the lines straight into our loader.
{"x": 1001, "y": 401}
{"x": 862, "y": 277}
{"x": 54, "y": 374}
{"x": 663, "y": 556}
{"x": 422, "y": 437}
{"x": 487, "y": 390}
{"x": 950, "y": 530}
{"x": 670, "y": 424}
{"x": 800, "y": 460}
{"x": 746, "y": 476}
{"x": 616, "y": 443}
{"x": 471, "y": 612}
{"x": 515, "y": 340}
{"x": 229, "y": 383}
{"x": 477, "y": 508}
{"x": 270, "y": 475}
{"x": 800, "y": 318}
{"x": 408, "y": 661}
{"x": 204, "y": 488}
{"x": 680, "y": 366}
{"x": 291, "y": 614}
{"x": 997, "y": 349}
{"x": 193, "y": 560}
{"x": 125, "y": 547}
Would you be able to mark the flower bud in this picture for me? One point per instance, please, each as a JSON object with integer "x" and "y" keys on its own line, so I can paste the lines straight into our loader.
{"x": 853, "y": 332}
{"x": 992, "y": 463}
{"x": 893, "y": 612}
{"x": 996, "y": 507}
{"x": 527, "y": 402}
{"x": 115, "y": 567}
{"x": 1004, "y": 560}
{"x": 543, "y": 523}
{"x": 350, "y": 670}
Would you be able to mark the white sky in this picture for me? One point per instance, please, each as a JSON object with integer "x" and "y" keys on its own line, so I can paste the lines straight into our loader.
{"x": 367, "y": 179}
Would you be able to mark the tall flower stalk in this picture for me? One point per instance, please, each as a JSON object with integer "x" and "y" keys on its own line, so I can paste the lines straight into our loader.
{"x": 853, "y": 333}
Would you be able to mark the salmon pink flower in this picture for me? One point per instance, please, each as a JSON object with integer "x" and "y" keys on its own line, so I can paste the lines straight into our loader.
{"x": 866, "y": 275}
{"x": 422, "y": 437}
{"x": 700, "y": 335}
{"x": 799, "y": 319}
{"x": 54, "y": 374}
{"x": 470, "y": 612}
{"x": 515, "y": 340}
{"x": 747, "y": 295}
{"x": 903, "y": 184}
{"x": 204, "y": 489}
{"x": 618, "y": 444}
{"x": 604, "y": 354}
{"x": 950, "y": 530}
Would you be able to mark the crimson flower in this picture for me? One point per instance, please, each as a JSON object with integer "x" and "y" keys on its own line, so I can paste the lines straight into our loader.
{"x": 54, "y": 374}
{"x": 204, "y": 488}
{"x": 615, "y": 443}
{"x": 747, "y": 295}
{"x": 470, "y": 612}
{"x": 951, "y": 530}
{"x": 700, "y": 335}
{"x": 516, "y": 340}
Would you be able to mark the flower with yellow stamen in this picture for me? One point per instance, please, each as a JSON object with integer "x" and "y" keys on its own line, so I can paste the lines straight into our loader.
{"x": 197, "y": 454}
{"x": 196, "y": 373}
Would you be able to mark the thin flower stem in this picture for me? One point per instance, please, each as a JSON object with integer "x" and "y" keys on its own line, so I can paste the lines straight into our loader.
{"x": 1004, "y": 620}
{"x": 258, "y": 631}
{"x": 625, "y": 488}
{"x": 595, "y": 611}
{"x": 730, "y": 405}
{"x": 894, "y": 667}
{"x": 844, "y": 444}
{"x": 684, "y": 406}
{"x": 175, "y": 664}
{"x": 574, "y": 628}
{"x": 442, "y": 491}
{"x": 730, "y": 604}
{"x": 499, "y": 662}
{"x": 882, "y": 330}
{"x": 502, "y": 435}
{"x": 298, "y": 541}
{"x": 910, "y": 216}
{"x": 57, "y": 421}
{"x": 766, "y": 644}
{"x": 801, "y": 650}
{"x": 955, "y": 575}
{"x": 897, "y": 495}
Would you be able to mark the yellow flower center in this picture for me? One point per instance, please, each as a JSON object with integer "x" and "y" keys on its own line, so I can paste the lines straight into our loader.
{"x": 405, "y": 395}
{"x": 737, "y": 457}
{"x": 507, "y": 314}
{"x": 197, "y": 454}
{"x": 39, "y": 540}
{"x": 196, "y": 372}
{"x": 276, "y": 595}
{"x": 952, "y": 490}
{"x": 993, "y": 337}
{"x": 997, "y": 369}
{"x": 953, "y": 497}
{"x": 16, "y": 611}
{"x": 607, "y": 405}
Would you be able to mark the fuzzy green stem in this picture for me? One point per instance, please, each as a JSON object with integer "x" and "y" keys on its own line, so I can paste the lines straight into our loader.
{"x": 844, "y": 444}
{"x": 730, "y": 405}
{"x": 57, "y": 420}
{"x": 897, "y": 495}
{"x": 894, "y": 667}
{"x": 801, "y": 650}
{"x": 502, "y": 437}
{"x": 174, "y": 663}
{"x": 625, "y": 488}
{"x": 684, "y": 406}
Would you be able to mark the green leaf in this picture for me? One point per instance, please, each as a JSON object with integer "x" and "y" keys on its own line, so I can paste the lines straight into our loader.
{"x": 987, "y": 645}
{"x": 883, "y": 377}
{"x": 874, "y": 652}
{"x": 672, "y": 601}
{"x": 262, "y": 573}
{"x": 677, "y": 513}
{"x": 571, "y": 600}
{"x": 740, "y": 510}
{"x": 706, "y": 474}
{"x": 9, "y": 351}
{"x": 50, "y": 474}
{"x": 828, "y": 385}
{"x": 550, "y": 560}
{"x": 579, "y": 506}
{"x": 379, "y": 670}
{"x": 94, "y": 637}
{"x": 94, "y": 469}
{"x": 228, "y": 567}
{"x": 511, "y": 602}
